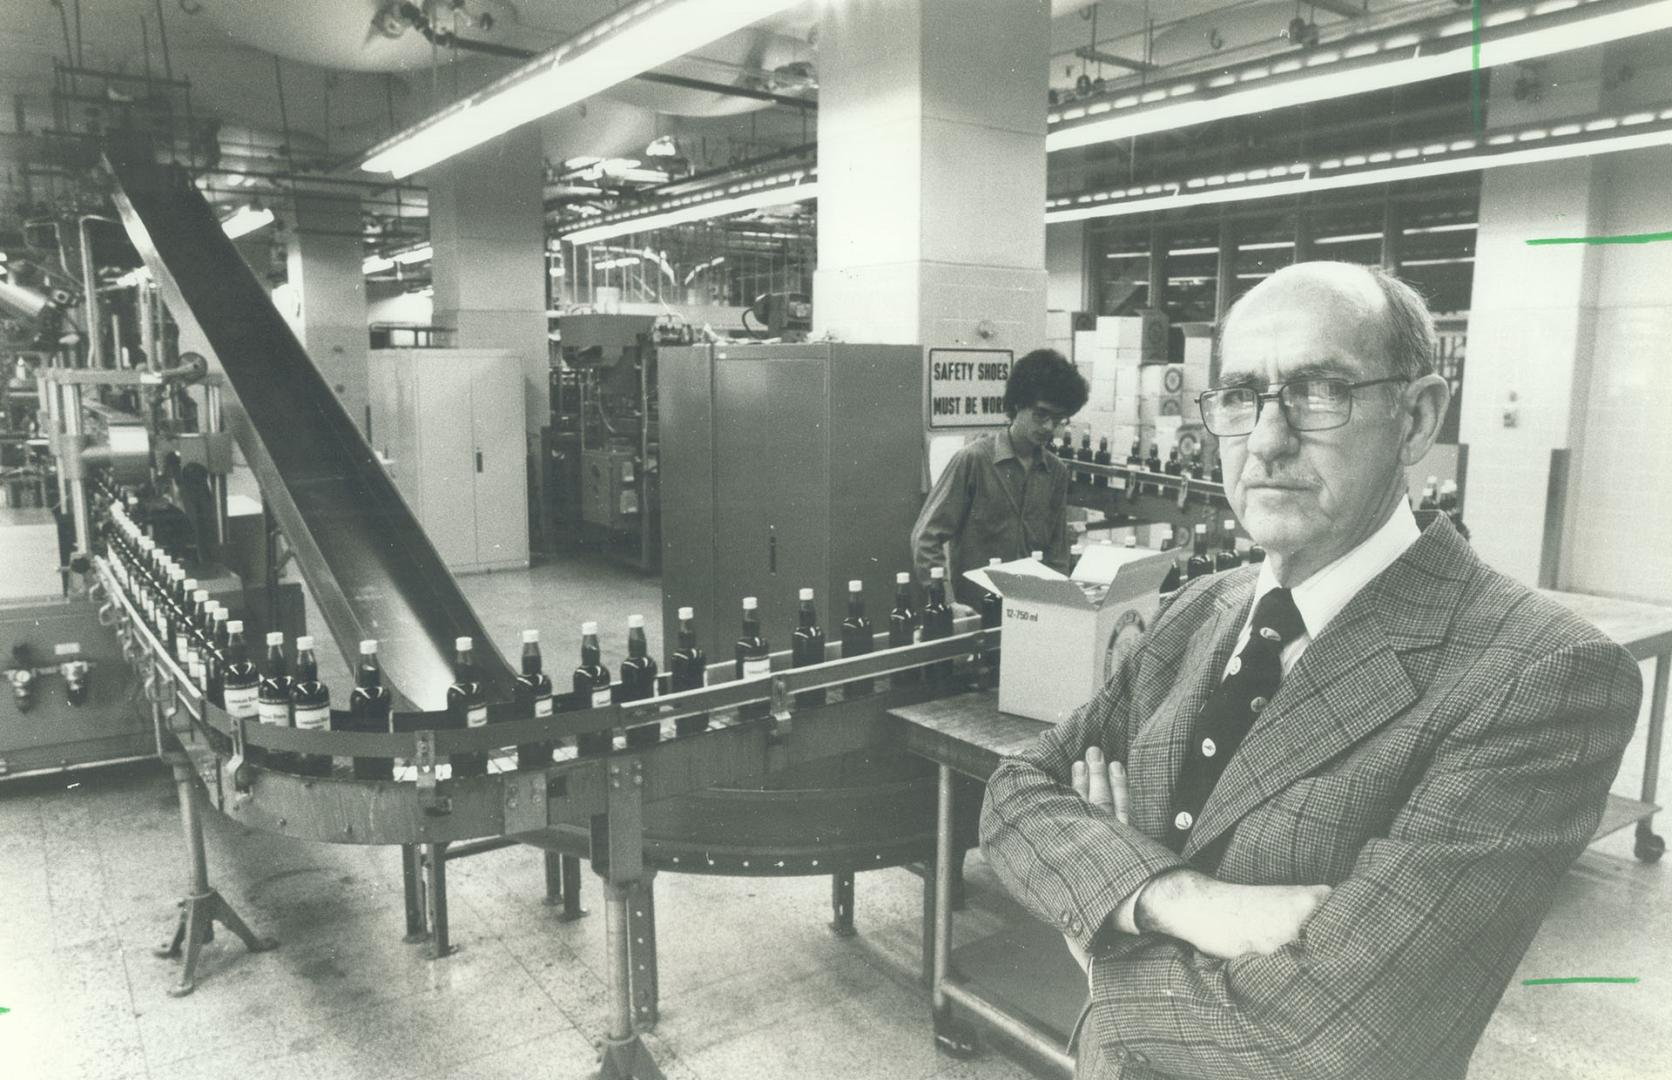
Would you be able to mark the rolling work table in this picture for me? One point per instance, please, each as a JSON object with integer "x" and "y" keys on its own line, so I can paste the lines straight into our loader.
{"x": 967, "y": 734}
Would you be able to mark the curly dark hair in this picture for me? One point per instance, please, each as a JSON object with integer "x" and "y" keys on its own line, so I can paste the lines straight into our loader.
{"x": 1045, "y": 375}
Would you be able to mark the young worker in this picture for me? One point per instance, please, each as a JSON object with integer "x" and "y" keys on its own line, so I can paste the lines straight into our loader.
{"x": 1005, "y": 494}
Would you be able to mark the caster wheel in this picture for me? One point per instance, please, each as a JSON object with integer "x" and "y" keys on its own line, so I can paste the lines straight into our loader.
{"x": 1649, "y": 847}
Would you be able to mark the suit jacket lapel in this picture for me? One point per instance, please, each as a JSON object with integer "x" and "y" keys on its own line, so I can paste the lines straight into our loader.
{"x": 1349, "y": 682}
{"x": 1157, "y": 752}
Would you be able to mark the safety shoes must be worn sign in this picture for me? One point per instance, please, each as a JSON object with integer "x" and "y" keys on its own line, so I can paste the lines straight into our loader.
{"x": 966, "y": 387}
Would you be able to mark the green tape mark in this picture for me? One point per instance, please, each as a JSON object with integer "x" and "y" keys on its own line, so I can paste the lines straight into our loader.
{"x": 1577, "y": 979}
{"x": 4, "y": 1011}
{"x": 1630, "y": 238}
{"x": 1474, "y": 74}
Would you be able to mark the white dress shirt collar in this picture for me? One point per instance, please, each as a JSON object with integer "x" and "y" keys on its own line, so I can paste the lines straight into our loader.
{"x": 1321, "y": 597}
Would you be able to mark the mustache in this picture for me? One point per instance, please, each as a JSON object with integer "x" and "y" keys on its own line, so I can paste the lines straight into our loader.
{"x": 1273, "y": 481}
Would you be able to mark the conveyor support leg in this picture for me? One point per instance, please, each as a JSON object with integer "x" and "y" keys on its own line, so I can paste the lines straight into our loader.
{"x": 563, "y": 885}
{"x": 435, "y": 870}
{"x": 203, "y": 906}
{"x": 412, "y": 881}
{"x": 841, "y": 904}
{"x": 641, "y": 951}
{"x": 951, "y": 1036}
{"x": 625, "y": 1056}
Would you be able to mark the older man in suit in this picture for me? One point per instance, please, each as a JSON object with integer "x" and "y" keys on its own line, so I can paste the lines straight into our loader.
{"x": 1356, "y": 770}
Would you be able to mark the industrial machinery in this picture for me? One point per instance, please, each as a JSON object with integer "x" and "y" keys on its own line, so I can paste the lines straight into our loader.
{"x": 740, "y": 776}
{"x": 791, "y": 453}
{"x": 97, "y": 402}
{"x": 605, "y": 452}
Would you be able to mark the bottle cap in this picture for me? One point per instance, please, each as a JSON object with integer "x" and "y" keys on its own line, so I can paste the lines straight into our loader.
{"x": 856, "y": 585}
{"x": 1230, "y": 523}
{"x": 304, "y": 642}
{"x": 1037, "y": 556}
{"x": 937, "y": 573}
{"x": 1449, "y": 486}
{"x": 687, "y": 613}
{"x": 902, "y": 578}
{"x": 1201, "y": 528}
{"x": 749, "y": 603}
{"x": 235, "y": 626}
{"x": 463, "y": 643}
{"x": 275, "y": 637}
{"x": 201, "y": 596}
{"x": 635, "y": 622}
{"x": 531, "y": 637}
{"x": 220, "y": 614}
{"x": 368, "y": 647}
{"x": 177, "y": 572}
{"x": 804, "y": 594}
{"x": 1131, "y": 540}
{"x": 589, "y": 629}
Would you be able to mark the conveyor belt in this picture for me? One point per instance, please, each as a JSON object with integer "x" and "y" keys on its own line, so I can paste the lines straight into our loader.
{"x": 365, "y": 557}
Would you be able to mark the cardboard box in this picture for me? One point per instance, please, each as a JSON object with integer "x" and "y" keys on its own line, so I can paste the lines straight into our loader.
{"x": 1085, "y": 348}
{"x": 1146, "y": 332}
{"x": 1064, "y": 637}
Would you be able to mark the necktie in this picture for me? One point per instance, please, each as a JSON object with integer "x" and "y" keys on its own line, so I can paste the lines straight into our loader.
{"x": 1251, "y": 681}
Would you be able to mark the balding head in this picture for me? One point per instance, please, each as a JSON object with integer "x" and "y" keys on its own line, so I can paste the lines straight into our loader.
{"x": 1393, "y": 321}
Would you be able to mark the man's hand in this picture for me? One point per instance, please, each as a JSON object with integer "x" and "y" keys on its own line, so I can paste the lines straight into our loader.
{"x": 963, "y": 611}
{"x": 1225, "y": 920}
{"x": 1101, "y": 783}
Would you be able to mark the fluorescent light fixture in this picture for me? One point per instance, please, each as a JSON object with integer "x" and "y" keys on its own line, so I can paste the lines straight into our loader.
{"x": 376, "y": 264}
{"x": 1194, "y": 251}
{"x": 1460, "y": 226}
{"x": 1550, "y": 29}
{"x": 1318, "y": 178}
{"x": 1437, "y": 262}
{"x": 1267, "y": 245}
{"x": 246, "y": 220}
{"x": 636, "y": 39}
{"x": 681, "y": 213}
{"x": 1348, "y": 238}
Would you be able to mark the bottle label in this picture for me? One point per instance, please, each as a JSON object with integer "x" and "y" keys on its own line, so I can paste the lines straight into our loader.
{"x": 241, "y": 701}
{"x": 276, "y": 713}
{"x": 313, "y": 717}
{"x": 601, "y": 698}
{"x": 755, "y": 668}
{"x": 180, "y": 646}
{"x": 476, "y": 717}
{"x": 542, "y": 706}
{"x": 194, "y": 665}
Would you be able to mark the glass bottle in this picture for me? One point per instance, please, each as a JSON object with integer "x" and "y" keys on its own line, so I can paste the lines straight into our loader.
{"x": 937, "y": 617}
{"x": 1201, "y": 558}
{"x": 807, "y": 646}
{"x": 1153, "y": 464}
{"x": 368, "y": 710}
{"x": 214, "y": 657}
{"x": 1134, "y": 460}
{"x": 1227, "y": 558}
{"x": 688, "y": 670}
{"x": 902, "y": 624}
{"x": 272, "y": 703}
{"x": 992, "y": 604}
{"x": 638, "y": 682}
{"x": 753, "y": 656}
{"x": 467, "y": 707}
{"x": 310, "y": 705}
{"x": 532, "y": 693}
{"x": 591, "y": 689}
{"x": 857, "y": 638}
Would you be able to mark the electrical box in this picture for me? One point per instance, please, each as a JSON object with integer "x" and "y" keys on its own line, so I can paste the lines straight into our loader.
{"x": 29, "y": 553}
{"x": 442, "y": 423}
{"x": 784, "y": 467}
{"x": 610, "y": 486}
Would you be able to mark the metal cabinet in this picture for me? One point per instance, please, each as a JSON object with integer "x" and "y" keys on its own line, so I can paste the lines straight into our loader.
{"x": 786, "y": 466}
{"x": 446, "y": 425}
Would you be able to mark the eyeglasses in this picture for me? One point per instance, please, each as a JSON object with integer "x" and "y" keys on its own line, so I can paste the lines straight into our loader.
{"x": 1308, "y": 405}
{"x": 1049, "y": 417}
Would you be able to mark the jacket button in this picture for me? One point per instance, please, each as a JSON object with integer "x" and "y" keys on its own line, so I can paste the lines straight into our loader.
{"x": 1269, "y": 634}
{"x": 1139, "y": 1058}
{"x": 1183, "y": 820}
{"x": 1209, "y": 748}
{"x": 1235, "y": 666}
{"x": 1257, "y": 705}
{"x": 1119, "y": 1053}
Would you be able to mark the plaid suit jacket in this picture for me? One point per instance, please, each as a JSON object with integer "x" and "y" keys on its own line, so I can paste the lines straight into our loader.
{"x": 1439, "y": 755}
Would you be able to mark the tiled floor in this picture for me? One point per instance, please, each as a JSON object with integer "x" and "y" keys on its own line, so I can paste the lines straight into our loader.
{"x": 753, "y": 984}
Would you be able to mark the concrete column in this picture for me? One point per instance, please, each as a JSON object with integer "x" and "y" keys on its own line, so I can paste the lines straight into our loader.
{"x": 1531, "y": 324}
{"x": 326, "y": 301}
{"x": 1068, "y": 278}
{"x": 487, "y": 229}
{"x": 932, "y": 172}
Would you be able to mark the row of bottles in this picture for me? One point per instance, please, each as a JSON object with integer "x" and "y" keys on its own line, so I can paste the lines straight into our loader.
{"x": 1175, "y": 465}
{"x": 1204, "y": 559}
